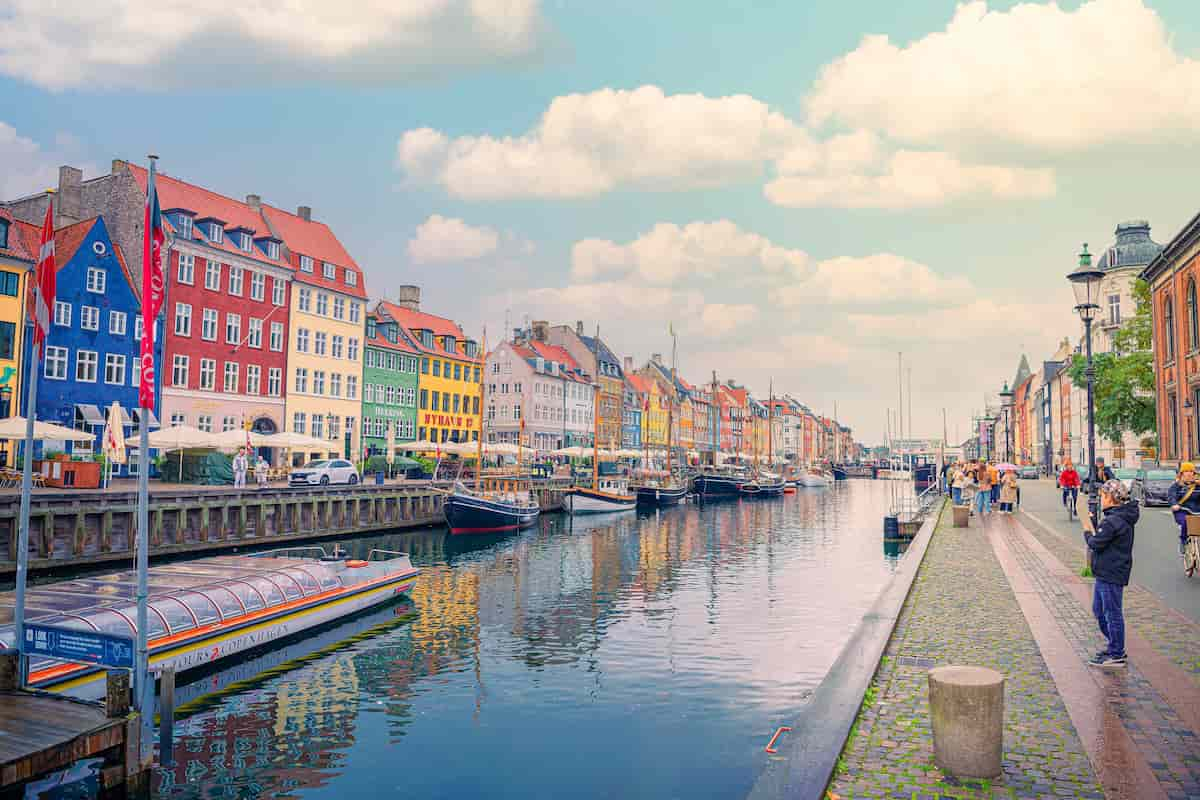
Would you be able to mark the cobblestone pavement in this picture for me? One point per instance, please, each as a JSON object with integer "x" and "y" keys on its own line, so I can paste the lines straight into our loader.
{"x": 1165, "y": 742}
{"x": 962, "y": 610}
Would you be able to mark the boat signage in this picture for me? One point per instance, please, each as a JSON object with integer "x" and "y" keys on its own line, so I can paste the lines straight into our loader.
{"x": 70, "y": 644}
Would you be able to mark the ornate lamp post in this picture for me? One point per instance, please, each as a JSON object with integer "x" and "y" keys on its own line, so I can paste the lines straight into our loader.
{"x": 1006, "y": 403}
{"x": 1085, "y": 282}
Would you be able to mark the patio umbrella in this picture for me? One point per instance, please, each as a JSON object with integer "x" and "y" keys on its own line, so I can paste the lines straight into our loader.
{"x": 181, "y": 437}
{"x": 391, "y": 445}
{"x": 233, "y": 439}
{"x": 573, "y": 452}
{"x": 423, "y": 446}
{"x": 114, "y": 438}
{"x": 1005, "y": 467}
{"x": 14, "y": 428}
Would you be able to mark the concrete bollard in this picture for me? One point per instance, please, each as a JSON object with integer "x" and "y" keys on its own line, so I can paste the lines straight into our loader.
{"x": 962, "y": 516}
{"x": 966, "y": 708}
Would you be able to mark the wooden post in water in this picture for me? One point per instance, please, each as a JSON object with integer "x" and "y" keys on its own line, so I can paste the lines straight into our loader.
{"x": 166, "y": 716}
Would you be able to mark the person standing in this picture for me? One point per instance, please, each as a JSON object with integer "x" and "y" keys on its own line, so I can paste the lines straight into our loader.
{"x": 983, "y": 500}
{"x": 261, "y": 471}
{"x": 1008, "y": 491}
{"x": 240, "y": 466}
{"x": 1103, "y": 473}
{"x": 958, "y": 481}
{"x": 1185, "y": 497}
{"x": 994, "y": 476}
{"x": 1112, "y": 561}
{"x": 1068, "y": 481}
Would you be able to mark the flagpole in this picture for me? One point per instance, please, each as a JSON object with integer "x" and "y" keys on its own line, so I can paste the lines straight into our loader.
{"x": 26, "y": 492}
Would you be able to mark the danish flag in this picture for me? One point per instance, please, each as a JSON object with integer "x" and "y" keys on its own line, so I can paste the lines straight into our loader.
{"x": 46, "y": 286}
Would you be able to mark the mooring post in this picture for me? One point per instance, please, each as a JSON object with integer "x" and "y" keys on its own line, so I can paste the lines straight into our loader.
{"x": 166, "y": 716}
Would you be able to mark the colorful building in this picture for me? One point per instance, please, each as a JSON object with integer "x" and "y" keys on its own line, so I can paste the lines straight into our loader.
{"x": 594, "y": 358}
{"x": 632, "y": 400}
{"x": 448, "y": 393}
{"x": 19, "y": 242}
{"x": 528, "y": 386}
{"x": 391, "y": 365}
{"x": 91, "y": 357}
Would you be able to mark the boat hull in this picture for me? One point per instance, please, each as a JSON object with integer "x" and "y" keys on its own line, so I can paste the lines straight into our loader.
{"x": 813, "y": 481}
{"x": 839, "y": 474}
{"x": 589, "y": 501}
{"x": 467, "y": 515}
{"x": 758, "y": 489}
{"x": 660, "y": 495}
{"x": 717, "y": 486}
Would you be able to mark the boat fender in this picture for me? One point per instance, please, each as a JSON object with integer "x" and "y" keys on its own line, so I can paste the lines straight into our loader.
{"x": 356, "y": 563}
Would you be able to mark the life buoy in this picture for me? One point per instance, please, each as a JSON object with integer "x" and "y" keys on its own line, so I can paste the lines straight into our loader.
{"x": 355, "y": 563}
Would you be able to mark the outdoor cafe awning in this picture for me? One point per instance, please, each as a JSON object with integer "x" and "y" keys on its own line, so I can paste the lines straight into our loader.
{"x": 89, "y": 413}
{"x": 151, "y": 420}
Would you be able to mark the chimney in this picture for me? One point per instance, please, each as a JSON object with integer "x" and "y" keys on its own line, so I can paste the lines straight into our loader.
{"x": 304, "y": 213}
{"x": 409, "y": 297}
{"x": 656, "y": 358}
{"x": 629, "y": 363}
{"x": 69, "y": 207}
{"x": 254, "y": 201}
{"x": 579, "y": 327}
{"x": 540, "y": 328}
{"x": 118, "y": 165}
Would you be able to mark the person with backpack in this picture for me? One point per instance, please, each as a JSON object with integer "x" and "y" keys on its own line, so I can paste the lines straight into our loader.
{"x": 1111, "y": 550}
{"x": 1185, "y": 497}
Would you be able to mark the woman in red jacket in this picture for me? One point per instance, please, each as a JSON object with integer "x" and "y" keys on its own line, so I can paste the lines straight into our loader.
{"x": 1068, "y": 479}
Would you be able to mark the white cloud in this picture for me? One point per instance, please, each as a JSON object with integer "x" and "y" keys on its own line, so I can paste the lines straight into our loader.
{"x": 905, "y": 179}
{"x": 163, "y": 43}
{"x": 668, "y": 253}
{"x": 29, "y": 167}
{"x": 587, "y": 144}
{"x": 975, "y": 321}
{"x": 1035, "y": 75}
{"x": 872, "y": 280}
{"x": 719, "y": 319}
{"x": 440, "y": 239}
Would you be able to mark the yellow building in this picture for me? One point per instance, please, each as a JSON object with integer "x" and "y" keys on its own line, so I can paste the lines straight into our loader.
{"x": 448, "y": 383}
{"x": 654, "y": 418}
{"x": 19, "y": 243}
{"x": 325, "y": 335}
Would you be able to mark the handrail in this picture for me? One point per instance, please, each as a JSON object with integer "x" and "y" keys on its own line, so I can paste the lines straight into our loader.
{"x": 391, "y": 553}
{"x": 297, "y": 549}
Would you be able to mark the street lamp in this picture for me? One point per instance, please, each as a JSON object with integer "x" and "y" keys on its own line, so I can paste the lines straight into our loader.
{"x": 1085, "y": 282}
{"x": 1006, "y": 403}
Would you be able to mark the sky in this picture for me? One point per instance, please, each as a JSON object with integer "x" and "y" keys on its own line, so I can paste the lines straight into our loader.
{"x": 804, "y": 190}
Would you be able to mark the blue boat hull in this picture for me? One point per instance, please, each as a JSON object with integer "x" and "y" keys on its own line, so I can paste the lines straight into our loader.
{"x": 660, "y": 496}
{"x": 469, "y": 514}
{"x": 717, "y": 486}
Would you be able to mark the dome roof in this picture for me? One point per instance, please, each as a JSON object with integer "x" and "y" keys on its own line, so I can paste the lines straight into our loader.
{"x": 1133, "y": 248}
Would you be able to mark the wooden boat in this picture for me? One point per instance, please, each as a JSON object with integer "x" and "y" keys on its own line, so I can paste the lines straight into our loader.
{"x": 814, "y": 478}
{"x": 667, "y": 494}
{"x": 718, "y": 484}
{"x": 489, "y": 511}
{"x": 839, "y": 473}
{"x": 201, "y": 612}
{"x": 605, "y": 496}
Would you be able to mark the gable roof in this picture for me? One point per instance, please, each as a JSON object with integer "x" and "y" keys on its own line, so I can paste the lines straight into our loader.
{"x": 603, "y": 351}
{"x": 67, "y": 240}
{"x": 639, "y": 383}
{"x": 401, "y": 344}
{"x": 18, "y": 243}
{"x": 315, "y": 239}
{"x": 532, "y": 351}
{"x": 411, "y": 321}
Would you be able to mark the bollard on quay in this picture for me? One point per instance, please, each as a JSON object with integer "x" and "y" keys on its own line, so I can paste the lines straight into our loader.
{"x": 966, "y": 709}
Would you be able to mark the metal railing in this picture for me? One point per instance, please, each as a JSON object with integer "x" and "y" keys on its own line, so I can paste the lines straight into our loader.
{"x": 915, "y": 507}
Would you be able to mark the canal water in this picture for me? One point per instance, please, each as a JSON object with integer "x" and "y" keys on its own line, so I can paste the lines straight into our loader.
{"x": 630, "y": 656}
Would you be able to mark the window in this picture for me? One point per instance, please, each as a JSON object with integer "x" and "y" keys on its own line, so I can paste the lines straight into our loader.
{"x": 424, "y": 399}
{"x": 335, "y": 384}
{"x": 328, "y": 270}
{"x": 232, "y": 370}
{"x": 233, "y": 328}
{"x": 96, "y": 280}
{"x": 319, "y": 342}
{"x": 258, "y": 286}
{"x": 116, "y": 322}
{"x": 369, "y": 392}
{"x": 228, "y": 424}
{"x": 216, "y": 233}
{"x": 298, "y": 420}
{"x": 424, "y": 365}
{"x": 323, "y": 304}
{"x": 208, "y": 325}
{"x": 277, "y": 336}
{"x": 351, "y": 387}
{"x": 337, "y": 347}
{"x": 302, "y": 338}
{"x": 352, "y": 349}
{"x": 139, "y": 327}
{"x": 301, "y": 379}
{"x": 135, "y": 371}
{"x": 1193, "y": 328}
{"x": 204, "y": 422}
{"x": 318, "y": 426}
{"x": 246, "y": 242}
{"x": 178, "y": 419}
{"x": 8, "y": 339}
{"x": 187, "y": 268}
{"x": 390, "y": 394}
{"x": 351, "y": 277}
{"x": 56, "y": 363}
{"x": 184, "y": 226}
{"x": 236, "y": 277}
{"x": 306, "y": 264}
{"x": 254, "y": 338}
{"x": 446, "y": 402}
{"x": 212, "y": 276}
{"x": 274, "y": 381}
{"x": 437, "y": 369}
{"x": 179, "y": 371}
{"x": 1169, "y": 329}
{"x": 277, "y": 291}
{"x": 333, "y": 427}
{"x": 114, "y": 368}
{"x": 208, "y": 373}
{"x": 318, "y": 381}
{"x": 458, "y": 375}
{"x": 273, "y": 250}
{"x": 4, "y": 233}
{"x": 9, "y": 283}
{"x": 183, "y": 319}
{"x": 304, "y": 299}
{"x": 86, "y": 362}
{"x": 339, "y": 308}
{"x": 89, "y": 318}
{"x": 62, "y": 313}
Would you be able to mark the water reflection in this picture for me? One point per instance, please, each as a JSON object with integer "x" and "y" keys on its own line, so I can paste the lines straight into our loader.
{"x": 646, "y": 655}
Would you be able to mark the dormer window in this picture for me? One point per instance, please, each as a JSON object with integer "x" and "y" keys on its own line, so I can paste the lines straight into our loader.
{"x": 448, "y": 343}
{"x": 469, "y": 349}
{"x": 328, "y": 270}
{"x": 3, "y": 233}
{"x": 427, "y": 338}
{"x": 216, "y": 234}
{"x": 306, "y": 264}
{"x": 246, "y": 242}
{"x": 184, "y": 226}
{"x": 273, "y": 250}
{"x": 370, "y": 327}
{"x": 351, "y": 278}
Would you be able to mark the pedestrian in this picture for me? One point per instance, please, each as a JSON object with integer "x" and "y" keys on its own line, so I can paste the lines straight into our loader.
{"x": 956, "y": 487}
{"x": 261, "y": 470}
{"x": 1103, "y": 473}
{"x": 983, "y": 479}
{"x": 240, "y": 466}
{"x": 1111, "y": 549}
{"x": 1185, "y": 497}
{"x": 994, "y": 476}
{"x": 1008, "y": 491}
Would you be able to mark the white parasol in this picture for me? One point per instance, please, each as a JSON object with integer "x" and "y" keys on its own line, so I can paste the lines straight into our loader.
{"x": 14, "y": 428}
{"x": 391, "y": 445}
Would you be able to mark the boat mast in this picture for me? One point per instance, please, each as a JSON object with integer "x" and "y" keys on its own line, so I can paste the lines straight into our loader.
{"x": 770, "y": 417}
{"x": 482, "y": 410}
{"x": 596, "y": 413}
{"x": 671, "y": 402}
{"x": 714, "y": 412}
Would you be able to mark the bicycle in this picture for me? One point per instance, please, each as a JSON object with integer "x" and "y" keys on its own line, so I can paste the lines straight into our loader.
{"x": 1070, "y": 499}
{"x": 1191, "y": 549}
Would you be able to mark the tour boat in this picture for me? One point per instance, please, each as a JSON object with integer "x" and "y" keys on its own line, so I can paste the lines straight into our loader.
{"x": 604, "y": 496}
{"x": 814, "y": 478}
{"x": 489, "y": 511}
{"x": 201, "y": 612}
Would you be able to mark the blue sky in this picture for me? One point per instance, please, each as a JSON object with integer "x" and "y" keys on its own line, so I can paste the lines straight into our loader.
{"x": 802, "y": 202}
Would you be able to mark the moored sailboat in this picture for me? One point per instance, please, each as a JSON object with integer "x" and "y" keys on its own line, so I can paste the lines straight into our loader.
{"x": 605, "y": 495}
{"x": 663, "y": 490}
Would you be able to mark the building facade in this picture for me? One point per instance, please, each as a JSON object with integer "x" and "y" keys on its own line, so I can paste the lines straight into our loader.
{"x": 391, "y": 365}
{"x": 631, "y": 413}
{"x": 530, "y": 391}
{"x": 594, "y": 358}
{"x": 19, "y": 242}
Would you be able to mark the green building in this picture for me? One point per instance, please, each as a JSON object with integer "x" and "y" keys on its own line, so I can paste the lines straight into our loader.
{"x": 389, "y": 386}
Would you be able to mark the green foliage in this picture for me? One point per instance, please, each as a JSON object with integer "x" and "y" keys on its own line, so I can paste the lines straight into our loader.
{"x": 376, "y": 464}
{"x": 1124, "y": 379}
{"x": 426, "y": 464}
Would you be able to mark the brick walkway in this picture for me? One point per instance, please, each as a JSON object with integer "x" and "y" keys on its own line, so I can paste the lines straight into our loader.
{"x": 962, "y": 610}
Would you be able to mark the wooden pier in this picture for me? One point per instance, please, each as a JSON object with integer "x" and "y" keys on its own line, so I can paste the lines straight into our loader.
{"x": 82, "y": 529}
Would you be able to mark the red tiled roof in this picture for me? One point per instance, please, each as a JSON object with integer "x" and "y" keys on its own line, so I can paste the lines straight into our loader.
{"x": 315, "y": 239}
{"x": 400, "y": 345}
{"x": 18, "y": 243}
{"x": 412, "y": 321}
{"x": 67, "y": 240}
{"x": 552, "y": 352}
{"x": 549, "y": 352}
{"x": 639, "y": 383}
{"x": 175, "y": 193}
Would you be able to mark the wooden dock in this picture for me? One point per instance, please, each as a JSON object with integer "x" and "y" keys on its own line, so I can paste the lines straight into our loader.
{"x": 95, "y": 528}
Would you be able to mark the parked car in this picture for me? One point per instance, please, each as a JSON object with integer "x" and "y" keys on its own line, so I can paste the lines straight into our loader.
{"x": 323, "y": 473}
{"x": 1126, "y": 475}
{"x": 1029, "y": 471}
{"x": 1153, "y": 486}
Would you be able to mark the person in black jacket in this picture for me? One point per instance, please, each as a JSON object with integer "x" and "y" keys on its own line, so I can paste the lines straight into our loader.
{"x": 1112, "y": 561}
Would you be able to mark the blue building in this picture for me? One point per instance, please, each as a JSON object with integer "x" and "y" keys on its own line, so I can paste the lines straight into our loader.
{"x": 631, "y": 417}
{"x": 92, "y": 351}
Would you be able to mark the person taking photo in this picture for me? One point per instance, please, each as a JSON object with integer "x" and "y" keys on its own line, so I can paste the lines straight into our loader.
{"x": 1111, "y": 550}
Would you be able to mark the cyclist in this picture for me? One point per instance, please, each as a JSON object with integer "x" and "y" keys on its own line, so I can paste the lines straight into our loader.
{"x": 1068, "y": 479}
{"x": 1185, "y": 496}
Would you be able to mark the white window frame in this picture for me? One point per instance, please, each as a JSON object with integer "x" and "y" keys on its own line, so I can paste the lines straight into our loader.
{"x": 216, "y": 233}
{"x": 306, "y": 264}
{"x": 97, "y": 280}
{"x": 179, "y": 368}
{"x": 304, "y": 299}
{"x": 233, "y": 328}
{"x": 212, "y": 275}
{"x": 337, "y": 346}
{"x": 253, "y": 379}
{"x": 276, "y": 341}
{"x": 210, "y": 322}
{"x": 303, "y": 340}
{"x": 351, "y": 387}
{"x": 274, "y": 382}
{"x": 299, "y": 418}
{"x": 247, "y": 242}
{"x": 301, "y": 380}
{"x": 204, "y": 422}
{"x": 185, "y": 226}
{"x": 57, "y": 359}
{"x": 113, "y": 362}
{"x": 318, "y": 382}
{"x": 183, "y": 319}
{"x": 339, "y": 307}
{"x": 352, "y": 348}
{"x": 277, "y": 291}
{"x": 88, "y": 360}
{"x": 273, "y": 250}
{"x": 62, "y": 314}
{"x": 355, "y": 311}
{"x": 89, "y": 318}
{"x": 117, "y": 323}
{"x": 258, "y": 286}
{"x": 320, "y": 343}
{"x": 328, "y": 271}
{"x": 322, "y": 304}
{"x": 208, "y": 369}
{"x": 254, "y": 334}
{"x": 230, "y": 377}
{"x": 237, "y": 277}
{"x": 351, "y": 277}
{"x": 186, "y": 271}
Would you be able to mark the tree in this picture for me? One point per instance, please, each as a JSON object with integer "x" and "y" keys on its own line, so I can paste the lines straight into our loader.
{"x": 1124, "y": 379}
